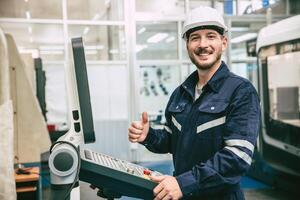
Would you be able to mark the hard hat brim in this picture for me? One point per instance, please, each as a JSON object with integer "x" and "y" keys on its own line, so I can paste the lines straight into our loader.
{"x": 202, "y": 24}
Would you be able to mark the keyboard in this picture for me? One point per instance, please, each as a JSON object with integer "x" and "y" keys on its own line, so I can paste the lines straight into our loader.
{"x": 117, "y": 175}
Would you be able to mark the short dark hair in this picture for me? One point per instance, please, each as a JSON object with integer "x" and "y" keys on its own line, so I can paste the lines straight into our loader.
{"x": 216, "y": 28}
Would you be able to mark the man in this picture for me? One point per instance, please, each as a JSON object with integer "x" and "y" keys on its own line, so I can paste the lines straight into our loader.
{"x": 212, "y": 120}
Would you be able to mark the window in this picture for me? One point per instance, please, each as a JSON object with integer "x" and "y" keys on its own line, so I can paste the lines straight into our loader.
{"x": 157, "y": 41}
{"x": 101, "y": 42}
{"x": 31, "y": 9}
{"x": 95, "y": 10}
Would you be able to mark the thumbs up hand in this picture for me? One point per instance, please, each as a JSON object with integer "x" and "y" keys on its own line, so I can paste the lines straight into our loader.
{"x": 138, "y": 130}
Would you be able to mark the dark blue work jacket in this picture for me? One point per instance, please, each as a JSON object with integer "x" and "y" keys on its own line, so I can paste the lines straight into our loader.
{"x": 211, "y": 138}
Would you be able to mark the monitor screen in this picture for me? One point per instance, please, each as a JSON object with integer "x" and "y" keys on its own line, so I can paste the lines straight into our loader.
{"x": 83, "y": 91}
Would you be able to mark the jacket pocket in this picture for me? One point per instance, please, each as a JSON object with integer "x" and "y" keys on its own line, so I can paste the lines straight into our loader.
{"x": 211, "y": 115}
{"x": 176, "y": 111}
{"x": 213, "y": 107}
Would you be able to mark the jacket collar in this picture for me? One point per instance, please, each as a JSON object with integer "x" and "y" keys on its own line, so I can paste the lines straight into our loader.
{"x": 214, "y": 83}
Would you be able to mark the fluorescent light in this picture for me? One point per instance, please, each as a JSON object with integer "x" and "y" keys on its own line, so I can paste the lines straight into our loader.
{"x": 96, "y": 17}
{"x": 139, "y": 47}
{"x": 57, "y": 52}
{"x": 114, "y": 51}
{"x": 239, "y": 29}
{"x": 91, "y": 52}
{"x": 96, "y": 47}
{"x": 52, "y": 47}
{"x": 29, "y": 29}
{"x": 245, "y": 37}
{"x": 107, "y": 3}
{"x": 170, "y": 39}
{"x": 34, "y": 52}
{"x": 28, "y": 15}
{"x": 86, "y": 30}
{"x": 142, "y": 30}
{"x": 157, "y": 37}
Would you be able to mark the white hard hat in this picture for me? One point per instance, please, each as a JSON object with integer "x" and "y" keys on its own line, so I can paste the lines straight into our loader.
{"x": 203, "y": 16}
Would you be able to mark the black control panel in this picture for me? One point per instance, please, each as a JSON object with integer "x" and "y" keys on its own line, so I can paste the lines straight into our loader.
{"x": 117, "y": 175}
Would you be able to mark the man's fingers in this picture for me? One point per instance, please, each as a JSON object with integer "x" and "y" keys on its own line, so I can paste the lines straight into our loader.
{"x": 132, "y": 136}
{"x": 161, "y": 195}
{"x": 135, "y": 131}
{"x": 133, "y": 140}
{"x": 157, "y": 189}
{"x": 157, "y": 178}
{"x": 137, "y": 125}
{"x": 167, "y": 197}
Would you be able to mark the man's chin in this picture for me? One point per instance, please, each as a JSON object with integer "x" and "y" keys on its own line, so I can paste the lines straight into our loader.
{"x": 204, "y": 65}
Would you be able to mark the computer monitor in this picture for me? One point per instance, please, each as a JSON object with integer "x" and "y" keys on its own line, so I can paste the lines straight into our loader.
{"x": 83, "y": 92}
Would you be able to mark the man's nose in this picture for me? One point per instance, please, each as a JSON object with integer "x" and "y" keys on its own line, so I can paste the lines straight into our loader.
{"x": 203, "y": 43}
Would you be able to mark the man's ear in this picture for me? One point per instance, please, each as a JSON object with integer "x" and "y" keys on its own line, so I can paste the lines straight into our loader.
{"x": 224, "y": 43}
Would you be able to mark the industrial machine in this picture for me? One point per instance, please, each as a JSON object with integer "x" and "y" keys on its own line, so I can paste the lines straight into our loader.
{"x": 69, "y": 163}
{"x": 277, "y": 161}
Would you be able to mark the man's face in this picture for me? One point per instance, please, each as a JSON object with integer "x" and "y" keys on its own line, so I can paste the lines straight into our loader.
{"x": 205, "y": 48}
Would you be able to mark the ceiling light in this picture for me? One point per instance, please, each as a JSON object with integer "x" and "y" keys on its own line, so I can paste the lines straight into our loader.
{"x": 91, "y": 52}
{"x": 30, "y": 30}
{"x": 170, "y": 39}
{"x": 142, "y": 30}
{"x": 239, "y": 29}
{"x": 95, "y": 47}
{"x": 28, "y": 15}
{"x": 157, "y": 37}
{"x": 107, "y": 3}
{"x": 139, "y": 47}
{"x": 26, "y": 1}
{"x": 31, "y": 40}
{"x": 34, "y": 52}
{"x": 96, "y": 17}
{"x": 113, "y": 51}
{"x": 51, "y": 47}
{"x": 86, "y": 30}
{"x": 245, "y": 37}
{"x": 57, "y": 52}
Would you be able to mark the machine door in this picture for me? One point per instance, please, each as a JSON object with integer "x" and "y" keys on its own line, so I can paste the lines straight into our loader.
{"x": 280, "y": 137}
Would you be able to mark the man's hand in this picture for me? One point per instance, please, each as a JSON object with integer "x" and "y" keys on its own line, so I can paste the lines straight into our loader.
{"x": 167, "y": 188}
{"x": 138, "y": 130}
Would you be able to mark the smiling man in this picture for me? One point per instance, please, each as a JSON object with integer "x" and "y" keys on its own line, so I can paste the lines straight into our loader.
{"x": 212, "y": 119}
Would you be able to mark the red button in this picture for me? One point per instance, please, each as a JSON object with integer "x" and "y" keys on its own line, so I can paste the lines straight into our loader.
{"x": 147, "y": 172}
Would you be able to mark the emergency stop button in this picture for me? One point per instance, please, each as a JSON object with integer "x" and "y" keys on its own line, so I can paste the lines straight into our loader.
{"x": 147, "y": 172}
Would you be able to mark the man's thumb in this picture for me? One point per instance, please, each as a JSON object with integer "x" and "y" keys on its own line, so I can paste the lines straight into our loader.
{"x": 145, "y": 117}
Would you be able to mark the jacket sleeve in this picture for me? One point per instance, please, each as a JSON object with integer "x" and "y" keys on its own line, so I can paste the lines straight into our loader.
{"x": 227, "y": 166}
{"x": 160, "y": 140}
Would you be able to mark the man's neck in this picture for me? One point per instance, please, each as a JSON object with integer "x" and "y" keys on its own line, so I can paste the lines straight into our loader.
{"x": 205, "y": 75}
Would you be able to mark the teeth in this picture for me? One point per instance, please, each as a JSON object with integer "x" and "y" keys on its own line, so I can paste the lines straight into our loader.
{"x": 206, "y": 54}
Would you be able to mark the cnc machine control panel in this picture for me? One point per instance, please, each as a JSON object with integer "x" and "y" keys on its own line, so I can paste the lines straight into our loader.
{"x": 118, "y": 175}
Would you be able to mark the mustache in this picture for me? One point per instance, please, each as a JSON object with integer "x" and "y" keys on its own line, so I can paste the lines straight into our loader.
{"x": 202, "y": 50}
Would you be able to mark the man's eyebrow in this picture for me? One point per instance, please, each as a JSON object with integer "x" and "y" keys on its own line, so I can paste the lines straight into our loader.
{"x": 193, "y": 34}
{"x": 212, "y": 32}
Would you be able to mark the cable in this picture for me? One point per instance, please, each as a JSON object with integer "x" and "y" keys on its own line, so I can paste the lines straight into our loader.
{"x": 78, "y": 164}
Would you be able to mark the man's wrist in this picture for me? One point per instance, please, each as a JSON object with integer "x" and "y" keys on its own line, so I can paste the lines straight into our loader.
{"x": 187, "y": 183}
